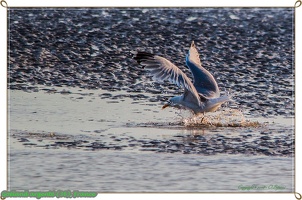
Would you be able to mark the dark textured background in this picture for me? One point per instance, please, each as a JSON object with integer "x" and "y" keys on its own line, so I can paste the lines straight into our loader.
{"x": 249, "y": 51}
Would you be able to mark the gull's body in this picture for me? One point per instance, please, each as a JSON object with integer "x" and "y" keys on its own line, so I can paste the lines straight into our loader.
{"x": 201, "y": 96}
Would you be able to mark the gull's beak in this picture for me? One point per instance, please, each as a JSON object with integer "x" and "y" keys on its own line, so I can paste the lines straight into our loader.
{"x": 165, "y": 106}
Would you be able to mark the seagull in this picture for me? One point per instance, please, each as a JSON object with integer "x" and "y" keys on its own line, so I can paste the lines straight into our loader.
{"x": 201, "y": 96}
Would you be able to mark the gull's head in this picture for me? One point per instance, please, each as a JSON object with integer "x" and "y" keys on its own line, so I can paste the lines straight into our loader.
{"x": 173, "y": 102}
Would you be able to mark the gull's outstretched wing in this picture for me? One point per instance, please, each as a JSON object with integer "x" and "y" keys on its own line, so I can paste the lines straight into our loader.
{"x": 204, "y": 82}
{"x": 162, "y": 69}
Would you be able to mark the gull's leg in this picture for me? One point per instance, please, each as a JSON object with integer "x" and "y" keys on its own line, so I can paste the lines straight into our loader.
{"x": 203, "y": 117}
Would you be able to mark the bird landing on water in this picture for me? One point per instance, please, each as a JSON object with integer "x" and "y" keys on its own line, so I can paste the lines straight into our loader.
{"x": 200, "y": 96}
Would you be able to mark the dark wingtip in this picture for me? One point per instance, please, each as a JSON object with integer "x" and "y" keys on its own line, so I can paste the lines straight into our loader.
{"x": 141, "y": 56}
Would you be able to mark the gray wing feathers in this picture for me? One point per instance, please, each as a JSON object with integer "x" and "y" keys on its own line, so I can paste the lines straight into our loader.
{"x": 204, "y": 82}
{"x": 162, "y": 69}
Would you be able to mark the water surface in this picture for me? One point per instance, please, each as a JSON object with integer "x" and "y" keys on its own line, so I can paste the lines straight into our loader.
{"x": 36, "y": 163}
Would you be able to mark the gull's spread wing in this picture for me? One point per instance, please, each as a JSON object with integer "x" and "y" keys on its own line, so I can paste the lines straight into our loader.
{"x": 162, "y": 69}
{"x": 204, "y": 81}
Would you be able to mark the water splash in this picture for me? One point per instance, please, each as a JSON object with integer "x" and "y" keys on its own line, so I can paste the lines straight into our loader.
{"x": 227, "y": 117}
